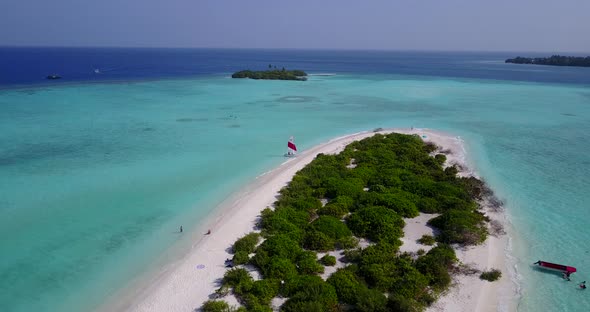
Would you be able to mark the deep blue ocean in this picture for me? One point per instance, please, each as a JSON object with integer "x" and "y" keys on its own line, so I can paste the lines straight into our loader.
{"x": 27, "y": 66}
{"x": 99, "y": 168}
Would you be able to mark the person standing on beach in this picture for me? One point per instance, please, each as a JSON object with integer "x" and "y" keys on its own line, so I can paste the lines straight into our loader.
{"x": 181, "y": 229}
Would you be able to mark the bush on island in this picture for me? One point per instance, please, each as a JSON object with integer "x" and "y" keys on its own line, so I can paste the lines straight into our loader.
{"x": 332, "y": 227}
{"x": 240, "y": 257}
{"x": 315, "y": 296}
{"x": 281, "y": 246}
{"x": 264, "y": 290}
{"x": 316, "y": 240}
{"x": 435, "y": 265}
{"x": 219, "y": 306}
{"x": 491, "y": 275}
{"x": 274, "y": 223}
{"x": 344, "y": 187}
{"x": 400, "y": 303}
{"x": 346, "y": 285}
{"x": 370, "y": 300}
{"x": 347, "y": 242}
{"x": 298, "y": 283}
{"x": 377, "y": 224}
{"x": 460, "y": 226}
{"x": 328, "y": 260}
{"x": 337, "y": 207}
{"x": 247, "y": 243}
{"x": 440, "y": 158}
{"x": 239, "y": 279}
{"x": 427, "y": 240}
{"x": 280, "y": 268}
{"x": 308, "y": 263}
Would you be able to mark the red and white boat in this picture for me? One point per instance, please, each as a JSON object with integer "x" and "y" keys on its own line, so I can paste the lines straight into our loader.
{"x": 292, "y": 149}
{"x": 556, "y": 267}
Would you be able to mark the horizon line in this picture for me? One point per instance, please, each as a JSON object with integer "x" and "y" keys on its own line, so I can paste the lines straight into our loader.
{"x": 282, "y": 49}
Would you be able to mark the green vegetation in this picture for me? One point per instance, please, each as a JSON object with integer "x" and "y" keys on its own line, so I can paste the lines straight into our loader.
{"x": 491, "y": 275}
{"x": 219, "y": 306}
{"x": 247, "y": 243}
{"x": 328, "y": 260}
{"x": 555, "y": 60}
{"x": 427, "y": 240}
{"x": 272, "y": 74}
{"x": 395, "y": 177}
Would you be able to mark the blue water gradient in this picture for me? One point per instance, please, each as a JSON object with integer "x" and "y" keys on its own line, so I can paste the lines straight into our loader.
{"x": 96, "y": 177}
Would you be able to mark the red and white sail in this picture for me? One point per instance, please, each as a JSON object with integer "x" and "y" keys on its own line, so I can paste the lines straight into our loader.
{"x": 291, "y": 145}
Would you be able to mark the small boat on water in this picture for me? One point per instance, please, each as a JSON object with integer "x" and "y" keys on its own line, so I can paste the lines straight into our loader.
{"x": 556, "y": 267}
{"x": 54, "y": 76}
{"x": 292, "y": 149}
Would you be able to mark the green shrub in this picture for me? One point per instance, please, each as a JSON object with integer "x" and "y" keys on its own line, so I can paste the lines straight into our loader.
{"x": 460, "y": 226}
{"x": 377, "y": 224}
{"x": 247, "y": 243}
{"x": 491, "y": 275}
{"x": 344, "y": 187}
{"x": 265, "y": 290}
{"x": 400, "y": 303}
{"x": 427, "y": 240}
{"x": 308, "y": 263}
{"x": 298, "y": 283}
{"x": 398, "y": 202}
{"x": 280, "y": 268}
{"x": 335, "y": 211}
{"x": 282, "y": 246}
{"x": 332, "y": 227}
{"x": 347, "y": 242}
{"x": 328, "y": 260}
{"x": 319, "y": 241}
{"x": 240, "y": 257}
{"x": 440, "y": 158}
{"x": 428, "y": 205}
{"x": 337, "y": 207}
{"x": 217, "y": 306}
{"x": 435, "y": 265}
{"x": 284, "y": 221}
{"x": 320, "y": 295}
{"x": 346, "y": 285}
{"x": 370, "y": 300}
{"x": 237, "y": 276}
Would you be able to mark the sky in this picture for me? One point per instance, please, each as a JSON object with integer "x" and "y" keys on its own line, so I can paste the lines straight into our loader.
{"x": 455, "y": 25}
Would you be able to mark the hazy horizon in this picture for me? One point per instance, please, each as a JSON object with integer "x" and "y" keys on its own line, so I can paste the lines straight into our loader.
{"x": 455, "y": 25}
{"x": 278, "y": 49}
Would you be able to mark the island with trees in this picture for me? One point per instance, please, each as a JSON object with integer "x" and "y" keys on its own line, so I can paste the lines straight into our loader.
{"x": 330, "y": 205}
{"x": 555, "y": 60}
{"x": 272, "y": 74}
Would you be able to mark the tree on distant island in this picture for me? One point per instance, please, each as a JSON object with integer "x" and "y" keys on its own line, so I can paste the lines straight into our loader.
{"x": 272, "y": 74}
{"x": 555, "y": 60}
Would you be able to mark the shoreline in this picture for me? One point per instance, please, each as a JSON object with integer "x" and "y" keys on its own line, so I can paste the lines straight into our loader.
{"x": 187, "y": 282}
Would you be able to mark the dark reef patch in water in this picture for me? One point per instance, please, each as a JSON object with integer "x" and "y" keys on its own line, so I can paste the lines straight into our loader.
{"x": 234, "y": 126}
{"x": 297, "y": 99}
{"x": 191, "y": 119}
{"x": 568, "y": 114}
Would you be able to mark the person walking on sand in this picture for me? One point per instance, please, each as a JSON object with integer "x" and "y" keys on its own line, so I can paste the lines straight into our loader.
{"x": 208, "y": 232}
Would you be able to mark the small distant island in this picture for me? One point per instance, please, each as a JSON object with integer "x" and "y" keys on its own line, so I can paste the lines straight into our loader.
{"x": 272, "y": 74}
{"x": 555, "y": 60}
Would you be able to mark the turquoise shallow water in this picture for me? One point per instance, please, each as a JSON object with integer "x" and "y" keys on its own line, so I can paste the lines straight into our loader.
{"x": 96, "y": 178}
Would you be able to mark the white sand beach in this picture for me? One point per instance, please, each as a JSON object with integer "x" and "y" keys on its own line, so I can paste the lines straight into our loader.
{"x": 191, "y": 280}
